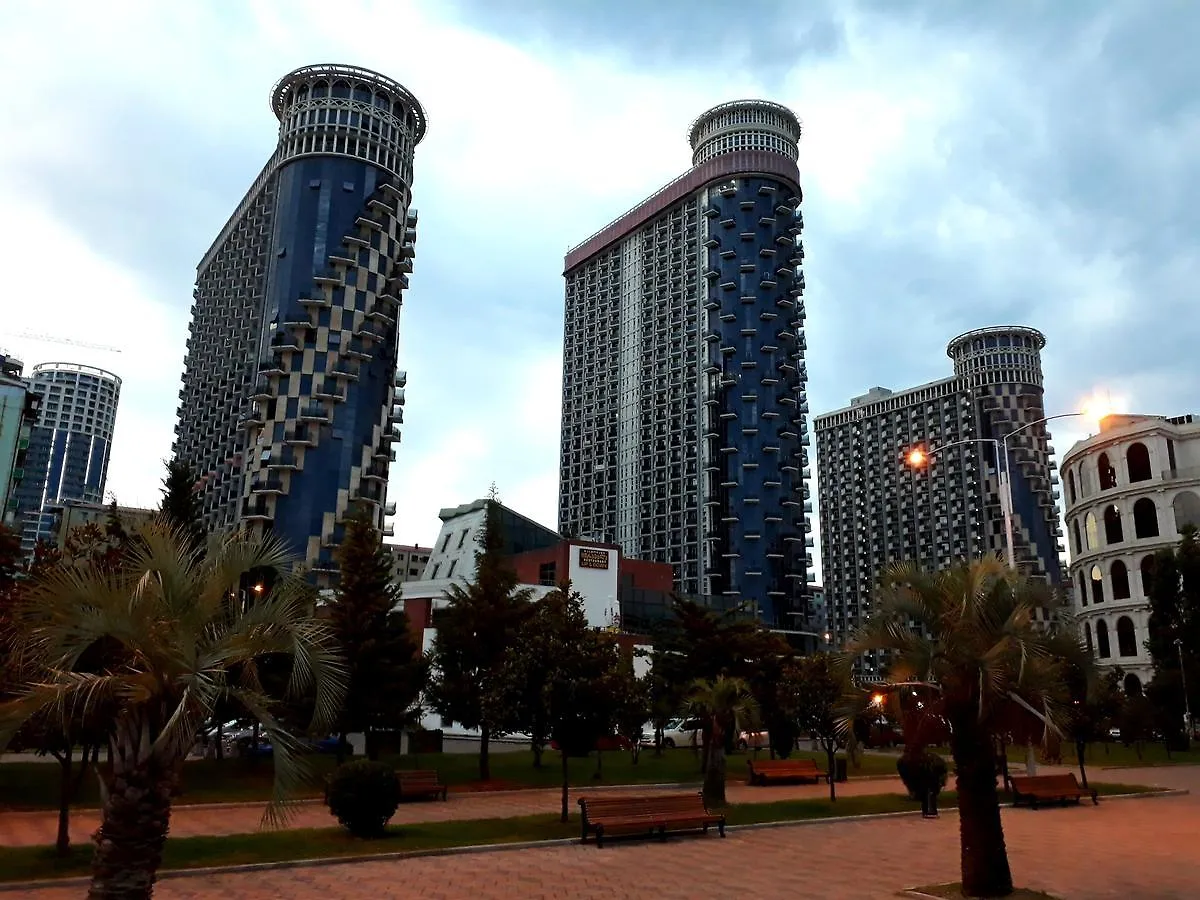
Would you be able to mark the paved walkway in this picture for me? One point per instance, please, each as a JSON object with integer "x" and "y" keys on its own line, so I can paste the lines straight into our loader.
{"x": 1144, "y": 849}
{"x": 27, "y": 829}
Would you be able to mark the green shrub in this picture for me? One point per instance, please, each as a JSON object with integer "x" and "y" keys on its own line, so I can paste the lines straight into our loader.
{"x": 922, "y": 771}
{"x": 363, "y": 795}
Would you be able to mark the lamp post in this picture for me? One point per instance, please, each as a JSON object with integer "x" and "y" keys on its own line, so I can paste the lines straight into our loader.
{"x": 918, "y": 458}
{"x": 1187, "y": 706}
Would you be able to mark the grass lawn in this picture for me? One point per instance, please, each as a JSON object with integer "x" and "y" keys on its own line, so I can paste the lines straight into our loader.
{"x": 1117, "y": 754}
{"x": 35, "y": 785}
{"x": 29, "y": 863}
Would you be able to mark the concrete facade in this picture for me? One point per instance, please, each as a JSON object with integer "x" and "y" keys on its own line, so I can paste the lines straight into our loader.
{"x": 1130, "y": 489}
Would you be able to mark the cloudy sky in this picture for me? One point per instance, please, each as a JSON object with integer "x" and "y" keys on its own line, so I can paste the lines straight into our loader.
{"x": 964, "y": 164}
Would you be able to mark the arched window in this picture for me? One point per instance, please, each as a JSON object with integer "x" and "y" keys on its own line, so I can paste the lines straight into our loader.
{"x": 1097, "y": 585}
{"x": 1090, "y": 531}
{"x": 1133, "y": 685}
{"x": 1145, "y": 518}
{"x": 1104, "y": 652}
{"x": 1082, "y": 590}
{"x": 1112, "y": 525}
{"x": 1147, "y": 567}
{"x": 1187, "y": 510}
{"x": 1119, "y": 575}
{"x": 1075, "y": 534}
{"x": 1070, "y": 486}
{"x": 1087, "y": 636}
{"x": 1126, "y": 637}
{"x": 1137, "y": 462}
{"x": 1108, "y": 475}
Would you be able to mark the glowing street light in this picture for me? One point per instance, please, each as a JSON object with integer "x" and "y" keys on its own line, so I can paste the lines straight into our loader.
{"x": 1094, "y": 409}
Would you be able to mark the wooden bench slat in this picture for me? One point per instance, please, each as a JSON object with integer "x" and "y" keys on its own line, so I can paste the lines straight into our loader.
{"x": 420, "y": 783}
{"x": 764, "y": 770}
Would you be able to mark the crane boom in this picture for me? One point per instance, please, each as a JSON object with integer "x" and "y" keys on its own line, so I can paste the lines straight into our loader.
{"x": 50, "y": 339}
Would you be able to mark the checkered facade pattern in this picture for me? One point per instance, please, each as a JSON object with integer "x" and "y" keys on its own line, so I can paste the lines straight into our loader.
{"x": 292, "y": 403}
{"x": 684, "y": 409}
{"x": 876, "y": 509}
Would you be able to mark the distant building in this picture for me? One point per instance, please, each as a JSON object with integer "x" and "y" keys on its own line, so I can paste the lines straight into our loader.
{"x": 19, "y": 406}
{"x": 69, "y": 447}
{"x": 408, "y": 562}
{"x": 876, "y": 509}
{"x": 74, "y": 514}
{"x": 819, "y": 615}
{"x": 1130, "y": 489}
{"x": 684, "y": 412}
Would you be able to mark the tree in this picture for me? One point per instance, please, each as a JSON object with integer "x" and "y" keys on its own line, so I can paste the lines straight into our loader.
{"x": 819, "y": 684}
{"x": 169, "y": 614}
{"x": 385, "y": 668}
{"x": 473, "y": 631}
{"x": 634, "y": 706}
{"x": 180, "y": 505}
{"x": 559, "y": 679}
{"x": 968, "y": 639}
{"x": 727, "y": 706}
{"x": 1174, "y": 631}
{"x": 1094, "y": 701}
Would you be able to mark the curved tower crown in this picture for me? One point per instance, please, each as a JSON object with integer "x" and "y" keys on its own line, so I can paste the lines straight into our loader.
{"x": 745, "y": 125}
{"x": 1002, "y": 353}
{"x": 334, "y": 110}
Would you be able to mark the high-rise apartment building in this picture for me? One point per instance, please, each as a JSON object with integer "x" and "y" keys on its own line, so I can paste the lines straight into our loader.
{"x": 684, "y": 409}
{"x": 290, "y": 406}
{"x": 19, "y": 407}
{"x": 69, "y": 447}
{"x": 1131, "y": 490}
{"x": 877, "y": 509}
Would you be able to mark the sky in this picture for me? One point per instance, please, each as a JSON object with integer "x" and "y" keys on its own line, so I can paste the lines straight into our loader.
{"x": 1030, "y": 162}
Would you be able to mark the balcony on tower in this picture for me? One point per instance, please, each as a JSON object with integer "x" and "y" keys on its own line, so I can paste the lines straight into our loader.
{"x": 314, "y": 412}
{"x": 302, "y": 435}
{"x": 389, "y": 508}
{"x": 286, "y": 460}
{"x": 330, "y": 390}
{"x": 317, "y": 301}
{"x": 375, "y": 472}
{"x": 266, "y": 485}
{"x": 284, "y": 341}
{"x": 345, "y": 371}
{"x": 262, "y": 390}
{"x": 257, "y": 510}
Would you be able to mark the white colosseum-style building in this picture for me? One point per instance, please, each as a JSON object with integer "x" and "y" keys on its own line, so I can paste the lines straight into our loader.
{"x": 1130, "y": 489}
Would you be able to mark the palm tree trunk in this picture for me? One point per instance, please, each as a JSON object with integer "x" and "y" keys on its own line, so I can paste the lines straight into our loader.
{"x": 714, "y": 775}
{"x": 485, "y": 768}
{"x": 62, "y": 843}
{"x": 1080, "y": 750}
{"x": 831, "y": 768}
{"x": 566, "y": 780}
{"x": 129, "y": 844}
{"x": 985, "y": 869}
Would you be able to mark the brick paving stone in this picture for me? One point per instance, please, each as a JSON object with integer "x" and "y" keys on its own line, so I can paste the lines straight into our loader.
{"x": 1143, "y": 849}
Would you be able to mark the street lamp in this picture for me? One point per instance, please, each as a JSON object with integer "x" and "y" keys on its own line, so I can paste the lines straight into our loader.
{"x": 1187, "y": 706}
{"x": 918, "y": 457}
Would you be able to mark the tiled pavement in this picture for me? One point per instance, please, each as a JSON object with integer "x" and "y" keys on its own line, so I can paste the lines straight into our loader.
{"x": 24, "y": 829}
{"x": 1135, "y": 849}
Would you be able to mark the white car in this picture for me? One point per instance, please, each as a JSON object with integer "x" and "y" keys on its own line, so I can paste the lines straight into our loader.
{"x": 683, "y": 733}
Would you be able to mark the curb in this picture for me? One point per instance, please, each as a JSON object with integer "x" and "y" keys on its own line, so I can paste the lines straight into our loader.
{"x": 322, "y": 861}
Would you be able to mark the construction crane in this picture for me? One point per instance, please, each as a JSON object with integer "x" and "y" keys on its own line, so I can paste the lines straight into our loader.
{"x": 50, "y": 339}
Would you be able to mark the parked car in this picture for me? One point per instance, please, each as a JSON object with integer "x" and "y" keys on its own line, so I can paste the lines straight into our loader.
{"x": 753, "y": 740}
{"x": 683, "y": 733}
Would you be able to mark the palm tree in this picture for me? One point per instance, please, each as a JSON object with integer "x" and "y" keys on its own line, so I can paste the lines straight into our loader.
{"x": 178, "y": 635}
{"x": 967, "y": 638}
{"x": 727, "y": 706}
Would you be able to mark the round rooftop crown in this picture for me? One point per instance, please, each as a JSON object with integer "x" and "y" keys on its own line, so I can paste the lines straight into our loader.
{"x": 332, "y": 110}
{"x": 745, "y": 125}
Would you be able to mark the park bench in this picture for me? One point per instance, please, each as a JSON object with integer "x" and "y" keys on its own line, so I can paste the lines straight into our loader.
{"x": 764, "y": 770}
{"x": 1036, "y": 789}
{"x": 646, "y": 815}
{"x": 420, "y": 783}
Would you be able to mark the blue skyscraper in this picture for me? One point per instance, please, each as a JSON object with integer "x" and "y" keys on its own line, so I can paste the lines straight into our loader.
{"x": 69, "y": 447}
{"x": 291, "y": 401}
{"x": 684, "y": 429}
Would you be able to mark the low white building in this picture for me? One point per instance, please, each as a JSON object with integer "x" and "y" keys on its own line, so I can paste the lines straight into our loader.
{"x": 1130, "y": 489}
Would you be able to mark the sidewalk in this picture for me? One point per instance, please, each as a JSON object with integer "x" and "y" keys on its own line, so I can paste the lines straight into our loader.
{"x": 28, "y": 829}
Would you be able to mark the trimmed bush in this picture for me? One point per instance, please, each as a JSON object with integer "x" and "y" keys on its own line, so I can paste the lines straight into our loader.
{"x": 363, "y": 795}
{"x": 921, "y": 772}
